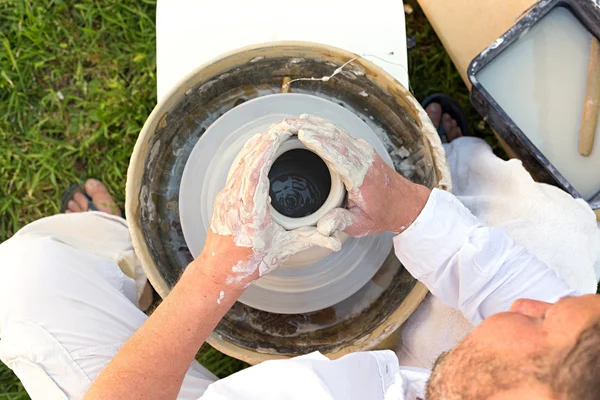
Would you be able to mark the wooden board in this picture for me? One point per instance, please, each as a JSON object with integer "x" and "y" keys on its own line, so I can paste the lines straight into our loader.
{"x": 466, "y": 27}
{"x": 591, "y": 102}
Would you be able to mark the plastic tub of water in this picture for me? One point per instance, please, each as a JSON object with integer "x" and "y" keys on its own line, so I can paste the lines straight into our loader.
{"x": 530, "y": 86}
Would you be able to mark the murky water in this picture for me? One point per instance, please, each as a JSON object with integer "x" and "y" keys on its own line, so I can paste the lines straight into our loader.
{"x": 540, "y": 82}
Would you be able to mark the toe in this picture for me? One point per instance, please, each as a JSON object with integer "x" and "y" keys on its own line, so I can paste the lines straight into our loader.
{"x": 434, "y": 110}
{"x": 451, "y": 127}
{"x": 81, "y": 200}
{"x": 72, "y": 206}
{"x": 101, "y": 198}
{"x": 447, "y": 122}
{"x": 458, "y": 132}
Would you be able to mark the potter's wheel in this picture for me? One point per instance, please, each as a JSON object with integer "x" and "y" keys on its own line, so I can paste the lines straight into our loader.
{"x": 288, "y": 290}
{"x": 365, "y": 319}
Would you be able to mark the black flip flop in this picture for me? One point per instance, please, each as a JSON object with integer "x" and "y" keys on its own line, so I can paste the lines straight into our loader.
{"x": 451, "y": 107}
{"x": 69, "y": 195}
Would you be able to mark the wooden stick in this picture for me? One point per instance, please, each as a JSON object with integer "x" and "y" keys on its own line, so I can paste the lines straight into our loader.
{"x": 591, "y": 104}
{"x": 285, "y": 85}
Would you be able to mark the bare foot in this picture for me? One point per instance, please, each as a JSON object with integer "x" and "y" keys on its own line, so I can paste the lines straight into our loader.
{"x": 104, "y": 202}
{"x": 435, "y": 114}
{"x": 100, "y": 197}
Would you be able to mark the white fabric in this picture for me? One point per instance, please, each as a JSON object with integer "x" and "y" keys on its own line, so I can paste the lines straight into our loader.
{"x": 66, "y": 308}
{"x": 108, "y": 240}
{"x": 560, "y": 231}
{"x": 368, "y": 375}
{"x": 475, "y": 269}
{"x": 190, "y": 33}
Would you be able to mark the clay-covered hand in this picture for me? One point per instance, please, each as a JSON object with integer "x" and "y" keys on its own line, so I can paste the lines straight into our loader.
{"x": 242, "y": 230}
{"x": 379, "y": 199}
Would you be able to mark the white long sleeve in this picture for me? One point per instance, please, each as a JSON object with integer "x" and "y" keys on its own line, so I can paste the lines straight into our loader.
{"x": 473, "y": 268}
{"x": 476, "y": 269}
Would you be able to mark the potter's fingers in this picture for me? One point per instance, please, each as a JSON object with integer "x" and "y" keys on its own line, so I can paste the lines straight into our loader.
{"x": 263, "y": 142}
{"x": 311, "y": 236}
{"x": 284, "y": 129}
{"x": 362, "y": 225}
{"x": 337, "y": 220}
{"x": 245, "y": 162}
{"x": 350, "y": 158}
{"x": 329, "y": 145}
{"x": 312, "y": 118}
{"x": 354, "y": 222}
{"x": 239, "y": 162}
{"x": 294, "y": 124}
{"x": 245, "y": 196}
{"x": 262, "y": 155}
{"x": 254, "y": 179}
{"x": 325, "y": 131}
{"x": 304, "y": 238}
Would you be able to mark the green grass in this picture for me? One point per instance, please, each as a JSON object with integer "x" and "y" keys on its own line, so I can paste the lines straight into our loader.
{"x": 431, "y": 71}
{"x": 77, "y": 81}
{"x": 10, "y": 386}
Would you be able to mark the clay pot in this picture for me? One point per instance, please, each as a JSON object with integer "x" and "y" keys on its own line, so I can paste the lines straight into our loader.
{"x": 304, "y": 188}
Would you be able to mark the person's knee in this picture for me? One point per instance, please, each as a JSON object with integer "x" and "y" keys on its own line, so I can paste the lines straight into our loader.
{"x": 26, "y": 257}
{"x": 28, "y": 266}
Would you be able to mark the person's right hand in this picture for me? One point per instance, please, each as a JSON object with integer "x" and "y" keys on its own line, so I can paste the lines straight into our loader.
{"x": 379, "y": 199}
{"x": 243, "y": 235}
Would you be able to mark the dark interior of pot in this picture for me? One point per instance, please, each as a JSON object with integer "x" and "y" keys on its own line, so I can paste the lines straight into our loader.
{"x": 325, "y": 330}
{"x": 299, "y": 183}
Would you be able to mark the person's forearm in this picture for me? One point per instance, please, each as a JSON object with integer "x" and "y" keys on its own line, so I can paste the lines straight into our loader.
{"x": 411, "y": 199}
{"x": 154, "y": 361}
{"x": 473, "y": 268}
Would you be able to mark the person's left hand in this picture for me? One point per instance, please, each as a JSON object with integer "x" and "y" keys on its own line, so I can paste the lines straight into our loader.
{"x": 243, "y": 237}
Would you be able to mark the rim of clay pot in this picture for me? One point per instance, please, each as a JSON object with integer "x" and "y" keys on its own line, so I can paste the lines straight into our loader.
{"x": 336, "y": 196}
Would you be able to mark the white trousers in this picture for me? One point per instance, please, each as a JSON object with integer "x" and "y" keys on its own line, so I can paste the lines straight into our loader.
{"x": 70, "y": 283}
{"x": 69, "y": 289}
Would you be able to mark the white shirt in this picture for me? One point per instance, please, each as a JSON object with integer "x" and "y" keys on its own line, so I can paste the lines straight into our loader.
{"x": 473, "y": 268}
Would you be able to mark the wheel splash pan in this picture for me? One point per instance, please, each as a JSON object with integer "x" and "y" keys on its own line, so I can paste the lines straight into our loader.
{"x": 360, "y": 322}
